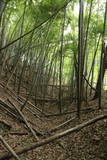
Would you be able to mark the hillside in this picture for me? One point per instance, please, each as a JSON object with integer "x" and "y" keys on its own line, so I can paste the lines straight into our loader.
{"x": 89, "y": 143}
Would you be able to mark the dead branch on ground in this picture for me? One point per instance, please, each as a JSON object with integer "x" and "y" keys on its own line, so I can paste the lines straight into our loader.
{"x": 53, "y": 138}
{"x": 9, "y": 148}
{"x": 25, "y": 120}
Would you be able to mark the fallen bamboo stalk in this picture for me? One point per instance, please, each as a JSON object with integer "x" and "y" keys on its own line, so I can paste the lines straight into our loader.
{"x": 31, "y": 104}
{"x": 7, "y": 156}
{"x": 22, "y": 98}
{"x": 61, "y": 125}
{"x": 70, "y": 112}
{"x": 15, "y": 115}
{"x": 9, "y": 148}
{"x": 25, "y": 120}
{"x": 7, "y": 106}
{"x": 10, "y": 113}
{"x": 29, "y": 109}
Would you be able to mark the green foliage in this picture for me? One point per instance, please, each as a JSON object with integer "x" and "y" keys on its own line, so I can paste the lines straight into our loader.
{"x": 21, "y": 16}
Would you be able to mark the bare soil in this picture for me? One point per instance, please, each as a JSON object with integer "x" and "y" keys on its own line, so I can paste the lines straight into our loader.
{"x": 87, "y": 144}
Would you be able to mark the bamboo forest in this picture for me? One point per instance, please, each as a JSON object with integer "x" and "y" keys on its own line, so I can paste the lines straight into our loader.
{"x": 53, "y": 80}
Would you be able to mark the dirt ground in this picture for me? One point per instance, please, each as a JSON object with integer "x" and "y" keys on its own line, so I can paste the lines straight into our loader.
{"x": 88, "y": 144}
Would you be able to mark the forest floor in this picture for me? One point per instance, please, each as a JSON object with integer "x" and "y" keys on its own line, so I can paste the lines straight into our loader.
{"x": 88, "y": 144}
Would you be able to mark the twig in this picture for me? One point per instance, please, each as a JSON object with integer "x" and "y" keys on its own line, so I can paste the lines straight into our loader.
{"x": 62, "y": 125}
{"x": 9, "y": 148}
{"x": 53, "y": 138}
{"x": 25, "y": 120}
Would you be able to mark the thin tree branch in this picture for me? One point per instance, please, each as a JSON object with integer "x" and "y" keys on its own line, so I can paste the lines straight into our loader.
{"x": 6, "y": 156}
